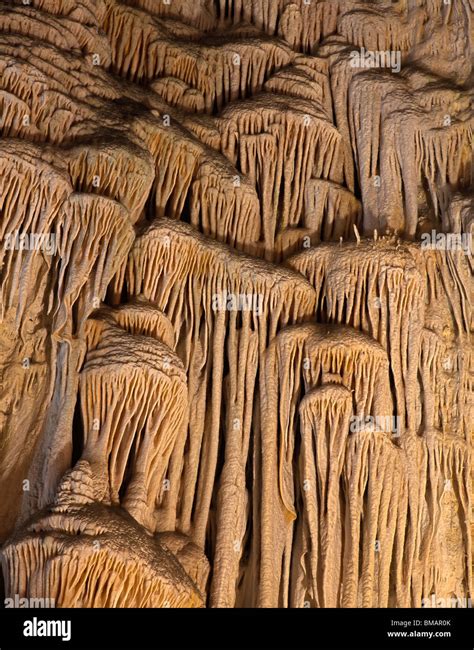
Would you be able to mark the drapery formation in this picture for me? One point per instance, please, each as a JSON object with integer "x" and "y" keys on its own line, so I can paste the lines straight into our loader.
{"x": 235, "y": 278}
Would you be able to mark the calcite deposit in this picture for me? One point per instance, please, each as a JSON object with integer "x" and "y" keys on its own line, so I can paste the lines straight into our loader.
{"x": 236, "y": 365}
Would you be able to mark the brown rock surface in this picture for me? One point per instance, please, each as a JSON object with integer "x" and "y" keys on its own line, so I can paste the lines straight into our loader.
{"x": 235, "y": 302}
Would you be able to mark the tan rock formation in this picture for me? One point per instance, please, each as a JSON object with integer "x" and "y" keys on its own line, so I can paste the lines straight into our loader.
{"x": 235, "y": 302}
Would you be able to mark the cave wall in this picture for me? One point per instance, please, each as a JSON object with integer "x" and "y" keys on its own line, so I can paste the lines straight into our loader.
{"x": 235, "y": 279}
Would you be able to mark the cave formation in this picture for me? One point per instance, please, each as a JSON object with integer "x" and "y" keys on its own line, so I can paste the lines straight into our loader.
{"x": 235, "y": 278}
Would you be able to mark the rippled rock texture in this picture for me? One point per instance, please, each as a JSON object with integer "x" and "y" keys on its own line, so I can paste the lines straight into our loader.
{"x": 235, "y": 280}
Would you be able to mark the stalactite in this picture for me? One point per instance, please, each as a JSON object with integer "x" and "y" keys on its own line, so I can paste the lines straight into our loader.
{"x": 377, "y": 520}
{"x": 133, "y": 405}
{"x": 306, "y": 78}
{"x": 136, "y": 317}
{"x": 118, "y": 170}
{"x": 60, "y": 31}
{"x": 222, "y": 203}
{"x": 94, "y": 236}
{"x": 280, "y": 147}
{"x": 331, "y": 210}
{"x": 222, "y": 71}
{"x": 302, "y": 24}
{"x": 32, "y": 193}
{"x": 376, "y": 286}
{"x": 178, "y": 93}
{"x": 300, "y": 359}
{"x": 444, "y": 527}
{"x": 381, "y": 29}
{"x": 214, "y": 388}
{"x": 95, "y": 556}
{"x": 398, "y": 140}
{"x": 324, "y": 420}
{"x": 235, "y": 307}
{"x": 200, "y": 13}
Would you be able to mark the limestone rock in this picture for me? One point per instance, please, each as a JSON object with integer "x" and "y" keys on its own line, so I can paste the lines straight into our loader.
{"x": 236, "y": 363}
